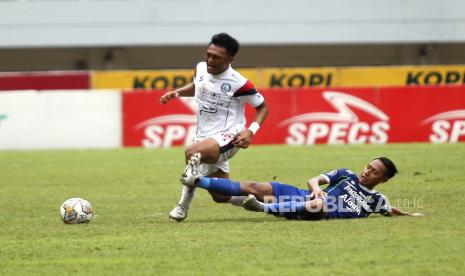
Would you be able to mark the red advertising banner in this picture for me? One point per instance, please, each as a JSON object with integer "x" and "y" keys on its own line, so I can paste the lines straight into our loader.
{"x": 148, "y": 123}
{"x": 314, "y": 116}
{"x": 44, "y": 80}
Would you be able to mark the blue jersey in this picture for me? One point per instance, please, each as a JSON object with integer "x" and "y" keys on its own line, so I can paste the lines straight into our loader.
{"x": 346, "y": 198}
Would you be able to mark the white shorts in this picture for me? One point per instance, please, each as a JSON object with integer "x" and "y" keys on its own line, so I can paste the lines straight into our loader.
{"x": 227, "y": 152}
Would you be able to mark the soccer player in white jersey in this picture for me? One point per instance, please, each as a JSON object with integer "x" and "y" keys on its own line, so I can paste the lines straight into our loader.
{"x": 347, "y": 196}
{"x": 221, "y": 94}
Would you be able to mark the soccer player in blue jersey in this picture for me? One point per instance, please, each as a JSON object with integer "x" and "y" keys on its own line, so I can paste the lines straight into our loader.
{"x": 347, "y": 195}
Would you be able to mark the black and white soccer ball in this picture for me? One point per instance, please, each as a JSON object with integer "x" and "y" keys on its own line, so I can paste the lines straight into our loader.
{"x": 76, "y": 210}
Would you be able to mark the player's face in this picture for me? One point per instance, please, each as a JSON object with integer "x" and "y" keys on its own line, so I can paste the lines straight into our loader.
{"x": 217, "y": 59}
{"x": 373, "y": 173}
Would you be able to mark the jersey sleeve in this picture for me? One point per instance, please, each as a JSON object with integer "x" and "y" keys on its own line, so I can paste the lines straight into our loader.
{"x": 335, "y": 176}
{"x": 200, "y": 69}
{"x": 252, "y": 96}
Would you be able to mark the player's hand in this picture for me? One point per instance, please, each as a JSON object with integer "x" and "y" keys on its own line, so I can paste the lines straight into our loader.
{"x": 319, "y": 193}
{"x": 243, "y": 139}
{"x": 168, "y": 96}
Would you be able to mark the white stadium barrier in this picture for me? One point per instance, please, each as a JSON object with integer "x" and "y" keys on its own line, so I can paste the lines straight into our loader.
{"x": 115, "y": 22}
{"x": 60, "y": 120}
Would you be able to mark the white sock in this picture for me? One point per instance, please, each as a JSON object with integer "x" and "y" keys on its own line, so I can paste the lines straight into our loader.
{"x": 187, "y": 196}
{"x": 237, "y": 200}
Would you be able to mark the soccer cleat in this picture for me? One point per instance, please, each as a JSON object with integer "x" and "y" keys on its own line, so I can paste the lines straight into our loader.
{"x": 179, "y": 212}
{"x": 191, "y": 173}
{"x": 251, "y": 203}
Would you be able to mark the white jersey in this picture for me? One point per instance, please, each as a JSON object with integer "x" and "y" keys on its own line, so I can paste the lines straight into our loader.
{"x": 221, "y": 100}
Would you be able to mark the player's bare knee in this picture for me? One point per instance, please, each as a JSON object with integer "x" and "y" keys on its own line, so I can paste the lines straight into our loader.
{"x": 207, "y": 155}
{"x": 189, "y": 152}
{"x": 250, "y": 187}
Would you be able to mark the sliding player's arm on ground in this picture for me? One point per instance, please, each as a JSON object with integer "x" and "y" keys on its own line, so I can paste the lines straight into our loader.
{"x": 394, "y": 211}
{"x": 185, "y": 91}
{"x": 314, "y": 186}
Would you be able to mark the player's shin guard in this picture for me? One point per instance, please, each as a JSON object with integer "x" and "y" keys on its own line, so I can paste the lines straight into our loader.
{"x": 220, "y": 185}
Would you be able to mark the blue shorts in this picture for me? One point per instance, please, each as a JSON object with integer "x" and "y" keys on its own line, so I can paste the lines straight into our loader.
{"x": 285, "y": 192}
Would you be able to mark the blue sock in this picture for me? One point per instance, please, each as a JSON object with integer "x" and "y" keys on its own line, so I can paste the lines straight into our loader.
{"x": 285, "y": 207}
{"x": 222, "y": 186}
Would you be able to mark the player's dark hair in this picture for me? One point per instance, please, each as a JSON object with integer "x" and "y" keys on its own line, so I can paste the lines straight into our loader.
{"x": 226, "y": 41}
{"x": 391, "y": 169}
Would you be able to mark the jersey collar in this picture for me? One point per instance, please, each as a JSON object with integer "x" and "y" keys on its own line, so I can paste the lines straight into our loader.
{"x": 366, "y": 189}
{"x": 224, "y": 73}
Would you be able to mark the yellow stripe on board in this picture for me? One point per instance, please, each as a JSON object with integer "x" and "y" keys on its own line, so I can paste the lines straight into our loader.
{"x": 153, "y": 79}
{"x": 402, "y": 75}
{"x": 291, "y": 77}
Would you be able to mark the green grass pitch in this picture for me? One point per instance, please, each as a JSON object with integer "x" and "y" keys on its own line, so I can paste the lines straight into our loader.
{"x": 133, "y": 190}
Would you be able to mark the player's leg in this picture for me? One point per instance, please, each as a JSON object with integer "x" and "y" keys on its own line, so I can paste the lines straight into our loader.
{"x": 212, "y": 150}
{"x": 180, "y": 211}
{"x": 216, "y": 151}
{"x": 220, "y": 198}
{"x": 263, "y": 191}
{"x": 207, "y": 151}
{"x": 291, "y": 202}
{"x": 227, "y": 187}
{"x": 208, "y": 148}
{"x": 305, "y": 210}
{"x": 221, "y": 170}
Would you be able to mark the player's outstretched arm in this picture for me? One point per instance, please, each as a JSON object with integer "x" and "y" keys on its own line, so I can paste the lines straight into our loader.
{"x": 398, "y": 212}
{"x": 244, "y": 138}
{"x": 185, "y": 91}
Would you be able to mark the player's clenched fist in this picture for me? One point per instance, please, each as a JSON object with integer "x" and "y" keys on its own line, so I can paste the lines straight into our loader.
{"x": 168, "y": 96}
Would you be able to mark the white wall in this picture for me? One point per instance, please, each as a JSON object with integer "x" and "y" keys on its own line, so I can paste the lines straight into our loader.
{"x": 60, "y": 120}
{"x": 49, "y": 23}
